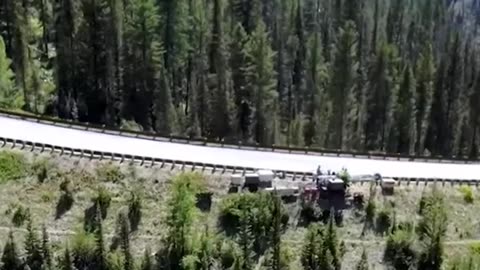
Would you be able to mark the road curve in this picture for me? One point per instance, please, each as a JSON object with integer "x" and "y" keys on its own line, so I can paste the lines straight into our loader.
{"x": 73, "y": 138}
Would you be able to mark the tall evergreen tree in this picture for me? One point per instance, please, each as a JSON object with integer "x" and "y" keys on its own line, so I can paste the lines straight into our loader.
{"x": 406, "y": 132}
{"x": 21, "y": 50}
{"x": 341, "y": 88}
{"x": 424, "y": 98}
{"x": 261, "y": 79}
{"x": 174, "y": 28}
{"x": 382, "y": 97}
{"x": 10, "y": 258}
{"x": 100, "y": 256}
{"x": 10, "y": 97}
{"x": 46, "y": 251}
{"x": 220, "y": 109}
{"x": 66, "y": 262}
{"x": 33, "y": 248}
{"x": 66, "y": 30}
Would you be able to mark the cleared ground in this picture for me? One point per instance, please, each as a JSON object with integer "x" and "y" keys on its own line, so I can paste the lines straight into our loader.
{"x": 152, "y": 183}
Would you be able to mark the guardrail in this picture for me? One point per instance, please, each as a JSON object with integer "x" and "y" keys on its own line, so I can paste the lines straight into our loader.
{"x": 229, "y": 144}
{"x": 193, "y": 166}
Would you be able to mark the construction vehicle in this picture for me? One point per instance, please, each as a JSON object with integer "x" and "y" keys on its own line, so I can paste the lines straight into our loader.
{"x": 262, "y": 180}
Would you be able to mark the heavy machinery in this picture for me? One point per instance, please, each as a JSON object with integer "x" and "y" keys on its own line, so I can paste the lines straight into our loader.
{"x": 264, "y": 180}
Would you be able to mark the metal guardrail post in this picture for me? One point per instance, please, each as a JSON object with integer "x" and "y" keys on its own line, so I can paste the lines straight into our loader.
{"x": 224, "y": 169}
{"x": 71, "y": 152}
{"x": 23, "y": 145}
{"x": 143, "y": 161}
{"x": 4, "y": 142}
{"x": 43, "y": 148}
{"x": 52, "y": 149}
{"x": 163, "y": 164}
{"x": 193, "y": 166}
{"x": 132, "y": 160}
{"x": 101, "y": 156}
{"x": 153, "y": 163}
{"x": 244, "y": 171}
{"x": 91, "y": 155}
{"x": 203, "y": 167}
{"x": 122, "y": 158}
{"x": 33, "y": 147}
{"x": 112, "y": 156}
{"x": 81, "y": 153}
{"x": 214, "y": 169}
{"x": 183, "y": 166}
{"x": 173, "y": 165}
{"x": 14, "y": 144}
{"x": 61, "y": 151}
{"x": 234, "y": 170}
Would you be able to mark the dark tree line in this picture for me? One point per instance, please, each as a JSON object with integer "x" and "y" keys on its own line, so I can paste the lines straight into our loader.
{"x": 393, "y": 76}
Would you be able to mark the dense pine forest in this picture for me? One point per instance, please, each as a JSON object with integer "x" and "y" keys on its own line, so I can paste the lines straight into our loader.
{"x": 394, "y": 76}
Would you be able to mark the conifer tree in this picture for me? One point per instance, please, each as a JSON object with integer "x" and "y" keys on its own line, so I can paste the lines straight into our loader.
{"x": 341, "y": 89}
{"x": 100, "y": 256}
{"x": 245, "y": 240}
{"x": 276, "y": 233}
{"x": 382, "y": 97}
{"x": 33, "y": 248}
{"x": 66, "y": 30}
{"x": 432, "y": 231}
{"x": 10, "y": 258}
{"x": 311, "y": 248}
{"x": 46, "y": 251}
{"x": 175, "y": 36}
{"x": 220, "y": 109}
{"x": 147, "y": 263}
{"x": 10, "y": 97}
{"x": 363, "y": 263}
{"x": 331, "y": 243}
{"x": 128, "y": 263}
{"x": 261, "y": 79}
{"x": 66, "y": 262}
{"x": 425, "y": 80}
{"x": 406, "y": 114}
{"x": 21, "y": 55}
{"x": 181, "y": 215}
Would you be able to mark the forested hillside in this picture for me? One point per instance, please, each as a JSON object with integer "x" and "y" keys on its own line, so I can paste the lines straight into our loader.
{"x": 388, "y": 75}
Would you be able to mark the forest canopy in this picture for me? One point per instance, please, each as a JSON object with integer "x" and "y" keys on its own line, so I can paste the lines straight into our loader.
{"x": 395, "y": 76}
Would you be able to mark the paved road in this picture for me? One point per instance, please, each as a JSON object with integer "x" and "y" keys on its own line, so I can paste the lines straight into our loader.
{"x": 48, "y": 134}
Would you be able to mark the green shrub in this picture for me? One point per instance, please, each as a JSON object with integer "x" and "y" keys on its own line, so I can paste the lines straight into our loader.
{"x": 399, "y": 251}
{"x": 103, "y": 200}
{"x": 384, "y": 220}
{"x": 345, "y": 176}
{"x": 467, "y": 193}
{"x": 12, "y": 166}
{"x": 259, "y": 210}
{"x": 109, "y": 173}
{"x": 83, "y": 250}
{"x": 20, "y": 216}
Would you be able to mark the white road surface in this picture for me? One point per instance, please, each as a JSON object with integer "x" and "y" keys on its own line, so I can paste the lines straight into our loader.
{"x": 48, "y": 134}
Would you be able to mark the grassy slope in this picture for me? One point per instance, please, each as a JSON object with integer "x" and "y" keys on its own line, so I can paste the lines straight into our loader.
{"x": 153, "y": 183}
